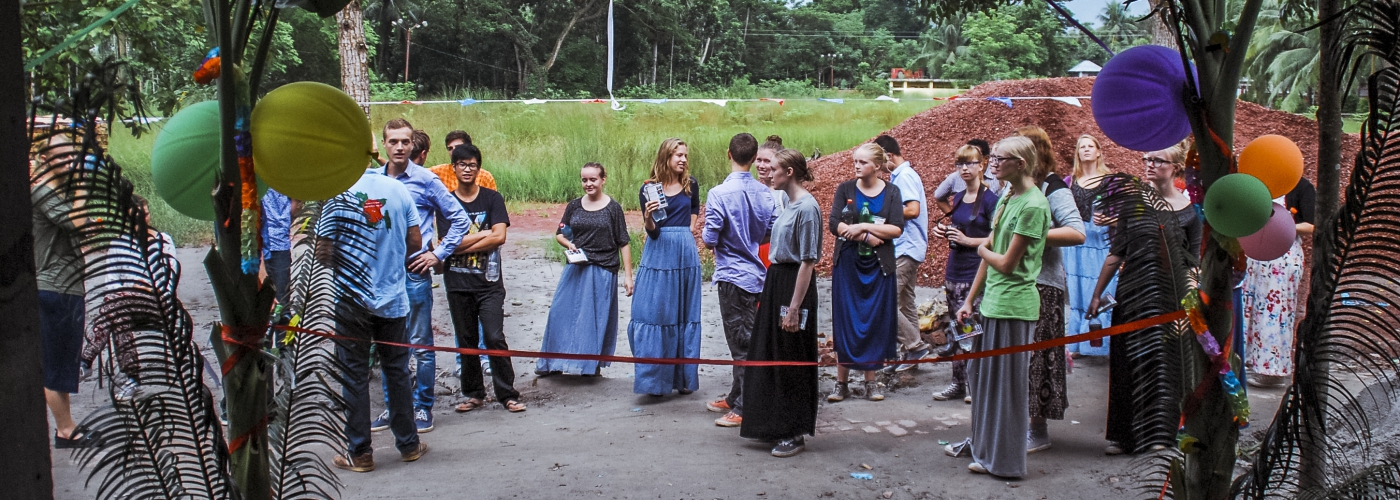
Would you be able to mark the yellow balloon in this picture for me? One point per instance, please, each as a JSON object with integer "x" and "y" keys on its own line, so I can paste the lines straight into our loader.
{"x": 310, "y": 140}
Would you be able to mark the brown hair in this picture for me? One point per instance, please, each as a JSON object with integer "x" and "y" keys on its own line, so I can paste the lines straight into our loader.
{"x": 792, "y": 159}
{"x": 1098, "y": 166}
{"x": 602, "y": 172}
{"x": 774, "y": 143}
{"x": 421, "y": 143}
{"x": 970, "y": 153}
{"x": 396, "y": 124}
{"x": 661, "y": 168}
{"x": 1044, "y": 154}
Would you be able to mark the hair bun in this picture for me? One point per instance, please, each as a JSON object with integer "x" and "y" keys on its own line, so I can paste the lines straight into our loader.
{"x": 774, "y": 138}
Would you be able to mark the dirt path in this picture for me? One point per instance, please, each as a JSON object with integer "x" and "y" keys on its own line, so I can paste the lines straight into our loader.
{"x": 592, "y": 437}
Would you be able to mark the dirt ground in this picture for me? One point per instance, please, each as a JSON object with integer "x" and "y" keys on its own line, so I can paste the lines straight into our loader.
{"x": 594, "y": 438}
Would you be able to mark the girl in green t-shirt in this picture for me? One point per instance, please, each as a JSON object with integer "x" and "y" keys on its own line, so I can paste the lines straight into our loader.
{"x": 1000, "y": 386}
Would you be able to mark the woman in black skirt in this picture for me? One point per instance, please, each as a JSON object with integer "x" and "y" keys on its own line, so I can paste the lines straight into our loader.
{"x": 780, "y": 402}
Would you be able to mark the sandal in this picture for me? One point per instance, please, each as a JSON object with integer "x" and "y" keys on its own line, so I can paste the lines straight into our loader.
{"x": 515, "y": 406}
{"x": 469, "y": 405}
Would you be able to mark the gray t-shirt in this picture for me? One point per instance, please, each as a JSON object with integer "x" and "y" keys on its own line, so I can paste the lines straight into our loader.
{"x": 57, "y": 261}
{"x": 797, "y": 234}
{"x": 1064, "y": 212}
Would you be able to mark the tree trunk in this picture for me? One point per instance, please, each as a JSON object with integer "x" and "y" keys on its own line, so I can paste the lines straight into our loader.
{"x": 655, "y": 53}
{"x": 354, "y": 54}
{"x": 28, "y": 466}
{"x": 1311, "y": 374}
{"x": 1161, "y": 33}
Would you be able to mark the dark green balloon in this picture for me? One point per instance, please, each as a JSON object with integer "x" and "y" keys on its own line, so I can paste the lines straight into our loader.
{"x": 1238, "y": 205}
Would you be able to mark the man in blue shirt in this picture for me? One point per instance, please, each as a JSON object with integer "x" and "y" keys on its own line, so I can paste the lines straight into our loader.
{"x": 277, "y": 242}
{"x": 373, "y": 227}
{"x": 910, "y": 249}
{"x": 738, "y": 216}
{"x": 430, "y": 199}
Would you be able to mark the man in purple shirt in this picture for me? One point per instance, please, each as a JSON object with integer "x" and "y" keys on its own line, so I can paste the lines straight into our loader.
{"x": 432, "y": 199}
{"x": 738, "y": 216}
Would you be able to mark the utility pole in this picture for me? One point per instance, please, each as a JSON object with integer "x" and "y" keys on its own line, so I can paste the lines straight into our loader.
{"x": 407, "y": 40}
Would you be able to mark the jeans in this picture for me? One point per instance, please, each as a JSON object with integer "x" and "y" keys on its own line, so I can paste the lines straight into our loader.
{"x": 393, "y": 360}
{"x": 279, "y": 269}
{"x": 906, "y": 275}
{"x": 420, "y": 331}
{"x": 475, "y": 315}
{"x": 739, "y": 309}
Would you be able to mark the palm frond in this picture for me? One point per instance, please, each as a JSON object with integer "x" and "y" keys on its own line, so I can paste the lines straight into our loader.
{"x": 1350, "y": 330}
{"x": 164, "y": 441}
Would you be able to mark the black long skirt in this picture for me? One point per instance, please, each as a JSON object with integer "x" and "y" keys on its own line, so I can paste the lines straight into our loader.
{"x": 780, "y": 402}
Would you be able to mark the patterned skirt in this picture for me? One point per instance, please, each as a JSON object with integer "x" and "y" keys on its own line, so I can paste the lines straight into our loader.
{"x": 1048, "y": 365}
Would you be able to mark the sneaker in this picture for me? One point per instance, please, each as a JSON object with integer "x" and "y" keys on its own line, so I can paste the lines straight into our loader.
{"x": 913, "y": 356}
{"x": 720, "y": 405}
{"x": 967, "y": 399}
{"x": 362, "y": 463}
{"x": 789, "y": 447}
{"x": 873, "y": 392}
{"x": 127, "y": 391}
{"x": 423, "y": 419}
{"x": 953, "y": 390}
{"x": 486, "y": 368}
{"x": 1114, "y": 448}
{"x": 959, "y": 449}
{"x": 977, "y": 468}
{"x": 380, "y": 423}
{"x": 416, "y": 454}
{"x": 1036, "y": 443}
{"x": 842, "y": 391}
{"x": 730, "y": 419}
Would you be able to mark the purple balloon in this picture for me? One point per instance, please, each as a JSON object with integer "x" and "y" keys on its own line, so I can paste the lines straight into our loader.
{"x": 1138, "y": 98}
{"x": 1275, "y": 239}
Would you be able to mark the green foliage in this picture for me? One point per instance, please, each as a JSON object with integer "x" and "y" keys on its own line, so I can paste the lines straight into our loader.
{"x": 1282, "y": 64}
{"x": 999, "y": 48}
{"x": 380, "y": 91}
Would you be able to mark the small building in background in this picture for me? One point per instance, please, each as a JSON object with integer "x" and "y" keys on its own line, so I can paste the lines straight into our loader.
{"x": 1085, "y": 68}
{"x": 910, "y": 83}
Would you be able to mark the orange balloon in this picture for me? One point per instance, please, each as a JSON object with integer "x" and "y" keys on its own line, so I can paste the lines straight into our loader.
{"x": 1275, "y": 160}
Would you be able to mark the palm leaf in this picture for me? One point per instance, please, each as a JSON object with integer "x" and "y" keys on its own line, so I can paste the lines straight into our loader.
{"x": 1349, "y": 330}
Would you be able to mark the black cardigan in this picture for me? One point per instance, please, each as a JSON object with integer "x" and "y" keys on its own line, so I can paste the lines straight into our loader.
{"x": 892, "y": 211}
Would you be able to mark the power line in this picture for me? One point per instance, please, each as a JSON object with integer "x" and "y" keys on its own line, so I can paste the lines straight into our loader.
{"x": 419, "y": 45}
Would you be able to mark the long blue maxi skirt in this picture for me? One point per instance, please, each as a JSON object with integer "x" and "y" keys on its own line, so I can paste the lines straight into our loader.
{"x": 666, "y": 313}
{"x": 864, "y": 308}
{"x": 1082, "y": 266}
{"x": 582, "y": 320}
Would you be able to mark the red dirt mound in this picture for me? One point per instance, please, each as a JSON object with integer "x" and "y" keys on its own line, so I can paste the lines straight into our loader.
{"x": 930, "y": 139}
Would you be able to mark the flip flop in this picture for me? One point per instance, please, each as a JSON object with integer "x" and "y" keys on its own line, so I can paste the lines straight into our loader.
{"x": 515, "y": 406}
{"x": 469, "y": 405}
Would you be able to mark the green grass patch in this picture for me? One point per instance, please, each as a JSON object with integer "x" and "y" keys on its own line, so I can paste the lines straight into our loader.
{"x": 1351, "y": 124}
{"x": 535, "y": 151}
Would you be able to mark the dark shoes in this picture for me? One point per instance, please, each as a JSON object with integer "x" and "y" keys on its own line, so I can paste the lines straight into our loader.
{"x": 69, "y": 443}
{"x": 789, "y": 447}
{"x": 953, "y": 391}
{"x": 416, "y": 454}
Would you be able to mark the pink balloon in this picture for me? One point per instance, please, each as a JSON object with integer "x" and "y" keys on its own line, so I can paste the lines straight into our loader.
{"x": 1275, "y": 239}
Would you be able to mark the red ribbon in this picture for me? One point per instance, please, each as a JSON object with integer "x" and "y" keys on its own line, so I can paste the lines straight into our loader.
{"x": 245, "y": 338}
{"x": 1106, "y": 332}
{"x": 242, "y": 439}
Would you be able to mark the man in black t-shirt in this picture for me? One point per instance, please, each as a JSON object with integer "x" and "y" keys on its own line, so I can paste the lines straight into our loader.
{"x": 476, "y": 292}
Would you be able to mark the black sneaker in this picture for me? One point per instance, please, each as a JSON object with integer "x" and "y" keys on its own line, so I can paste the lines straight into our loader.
{"x": 789, "y": 447}
{"x": 380, "y": 423}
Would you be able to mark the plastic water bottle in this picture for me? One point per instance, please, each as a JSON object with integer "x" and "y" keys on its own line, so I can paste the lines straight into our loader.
{"x": 655, "y": 193}
{"x": 865, "y": 250}
{"x": 493, "y": 267}
{"x": 567, "y": 231}
{"x": 970, "y": 330}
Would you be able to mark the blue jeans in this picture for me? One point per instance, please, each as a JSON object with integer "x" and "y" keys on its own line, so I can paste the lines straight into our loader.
{"x": 420, "y": 331}
{"x": 393, "y": 360}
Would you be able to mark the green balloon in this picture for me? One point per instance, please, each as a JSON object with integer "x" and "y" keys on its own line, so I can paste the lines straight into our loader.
{"x": 1238, "y": 205}
{"x": 185, "y": 160}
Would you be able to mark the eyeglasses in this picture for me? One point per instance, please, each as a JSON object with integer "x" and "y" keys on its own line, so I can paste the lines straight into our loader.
{"x": 465, "y": 165}
{"x": 999, "y": 159}
{"x": 967, "y": 165}
{"x": 1156, "y": 162}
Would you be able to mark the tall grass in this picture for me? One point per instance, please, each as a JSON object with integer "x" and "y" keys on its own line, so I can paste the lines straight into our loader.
{"x": 535, "y": 151}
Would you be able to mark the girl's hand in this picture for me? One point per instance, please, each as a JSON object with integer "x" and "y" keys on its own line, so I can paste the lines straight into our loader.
{"x": 789, "y": 323}
{"x": 650, "y": 207}
{"x": 873, "y": 241}
{"x": 627, "y": 284}
{"x": 1093, "y": 308}
{"x": 956, "y": 236}
{"x": 572, "y": 247}
{"x": 854, "y": 231}
{"x": 964, "y": 312}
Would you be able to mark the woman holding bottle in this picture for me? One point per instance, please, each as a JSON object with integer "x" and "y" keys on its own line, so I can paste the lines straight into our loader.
{"x": 1083, "y": 262}
{"x": 866, "y": 217}
{"x": 970, "y": 216}
{"x": 583, "y": 313}
{"x": 666, "y": 304}
{"x": 780, "y": 402}
{"x": 1011, "y": 261}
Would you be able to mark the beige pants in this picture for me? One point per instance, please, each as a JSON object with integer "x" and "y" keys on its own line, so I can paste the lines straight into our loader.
{"x": 907, "y": 275}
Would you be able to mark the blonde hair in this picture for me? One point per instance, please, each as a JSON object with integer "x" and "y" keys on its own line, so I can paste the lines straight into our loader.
{"x": 1022, "y": 148}
{"x": 970, "y": 153}
{"x": 661, "y": 170}
{"x": 1098, "y": 165}
{"x": 1177, "y": 154}
{"x": 1044, "y": 150}
{"x": 877, "y": 153}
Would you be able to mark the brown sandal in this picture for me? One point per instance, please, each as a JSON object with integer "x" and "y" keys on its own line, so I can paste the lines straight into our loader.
{"x": 469, "y": 405}
{"x": 515, "y": 406}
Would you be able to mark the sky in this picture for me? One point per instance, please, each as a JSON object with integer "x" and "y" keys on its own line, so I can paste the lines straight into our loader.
{"x": 1087, "y": 11}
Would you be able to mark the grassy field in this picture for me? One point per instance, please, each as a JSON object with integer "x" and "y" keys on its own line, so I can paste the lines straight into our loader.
{"x": 535, "y": 151}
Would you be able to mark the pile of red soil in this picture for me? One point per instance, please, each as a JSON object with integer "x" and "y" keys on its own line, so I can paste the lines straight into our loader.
{"x": 930, "y": 139}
